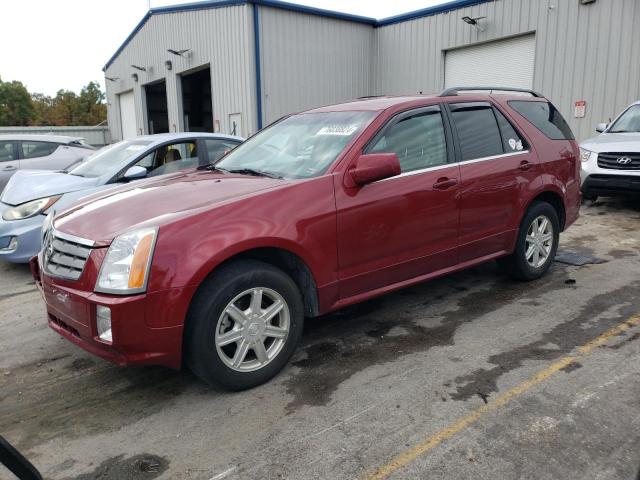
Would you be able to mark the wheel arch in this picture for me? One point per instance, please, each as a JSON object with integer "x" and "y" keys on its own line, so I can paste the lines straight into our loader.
{"x": 554, "y": 199}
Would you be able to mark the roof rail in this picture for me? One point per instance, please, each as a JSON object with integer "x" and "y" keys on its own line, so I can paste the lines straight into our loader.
{"x": 453, "y": 91}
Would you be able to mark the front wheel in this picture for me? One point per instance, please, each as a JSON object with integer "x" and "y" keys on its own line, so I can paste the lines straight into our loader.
{"x": 536, "y": 245}
{"x": 244, "y": 325}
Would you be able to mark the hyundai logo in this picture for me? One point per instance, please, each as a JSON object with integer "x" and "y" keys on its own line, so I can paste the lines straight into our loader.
{"x": 624, "y": 160}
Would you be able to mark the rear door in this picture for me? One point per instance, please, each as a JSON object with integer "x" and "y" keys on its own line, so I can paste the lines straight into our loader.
{"x": 9, "y": 162}
{"x": 496, "y": 168}
{"x": 406, "y": 226}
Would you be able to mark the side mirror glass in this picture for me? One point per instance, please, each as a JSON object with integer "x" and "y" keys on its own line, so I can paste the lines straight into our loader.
{"x": 375, "y": 166}
{"x": 601, "y": 127}
{"x": 135, "y": 173}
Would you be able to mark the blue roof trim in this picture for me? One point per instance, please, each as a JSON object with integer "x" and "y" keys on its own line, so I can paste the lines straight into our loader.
{"x": 427, "y": 12}
{"x": 208, "y": 4}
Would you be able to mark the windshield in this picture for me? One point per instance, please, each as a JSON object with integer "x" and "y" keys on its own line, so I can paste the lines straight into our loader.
{"x": 108, "y": 158}
{"x": 301, "y": 146}
{"x": 629, "y": 121}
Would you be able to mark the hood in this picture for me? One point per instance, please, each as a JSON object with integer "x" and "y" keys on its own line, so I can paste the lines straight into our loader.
{"x": 155, "y": 202}
{"x": 28, "y": 185}
{"x": 613, "y": 142}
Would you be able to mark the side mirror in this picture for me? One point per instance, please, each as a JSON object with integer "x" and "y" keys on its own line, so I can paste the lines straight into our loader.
{"x": 135, "y": 173}
{"x": 375, "y": 166}
{"x": 601, "y": 127}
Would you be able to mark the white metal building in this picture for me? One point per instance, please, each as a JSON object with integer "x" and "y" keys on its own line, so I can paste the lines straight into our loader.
{"x": 236, "y": 65}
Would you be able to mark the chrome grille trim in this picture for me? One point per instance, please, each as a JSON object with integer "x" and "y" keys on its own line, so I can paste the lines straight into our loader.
{"x": 609, "y": 160}
{"x": 65, "y": 255}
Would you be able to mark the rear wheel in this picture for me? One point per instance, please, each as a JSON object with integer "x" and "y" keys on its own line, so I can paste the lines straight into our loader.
{"x": 536, "y": 245}
{"x": 243, "y": 325}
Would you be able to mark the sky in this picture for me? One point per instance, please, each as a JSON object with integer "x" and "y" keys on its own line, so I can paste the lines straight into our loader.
{"x": 63, "y": 44}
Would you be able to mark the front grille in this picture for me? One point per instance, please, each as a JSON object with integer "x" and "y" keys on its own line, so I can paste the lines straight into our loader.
{"x": 64, "y": 255}
{"x": 619, "y": 161}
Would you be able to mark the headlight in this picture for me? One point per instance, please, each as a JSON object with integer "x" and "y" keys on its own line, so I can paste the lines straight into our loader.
{"x": 125, "y": 269}
{"x": 29, "y": 209}
{"x": 585, "y": 155}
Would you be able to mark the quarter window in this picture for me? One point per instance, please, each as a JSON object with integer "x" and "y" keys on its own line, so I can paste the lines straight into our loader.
{"x": 545, "y": 117}
{"x": 512, "y": 141}
{"x": 7, "y": 152}
{"x": 418, "y": 140}
{"x": 477, "y": 128}
{"x": 38, "y": 149}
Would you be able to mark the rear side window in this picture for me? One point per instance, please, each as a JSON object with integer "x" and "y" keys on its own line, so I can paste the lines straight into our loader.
{"x": 216, "y": 148}
{"x": 477, "y": 128}
{"x": 7, "y": 152}
{"x": 512, "y": 141}
{"x": 545, "y": 117}
{"x": 38, "y": 149}
{"x": 418, "y": 140}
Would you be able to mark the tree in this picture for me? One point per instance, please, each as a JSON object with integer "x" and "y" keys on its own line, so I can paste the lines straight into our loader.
{"x": 16, "y": 107}
{"x": 70, "y": 109}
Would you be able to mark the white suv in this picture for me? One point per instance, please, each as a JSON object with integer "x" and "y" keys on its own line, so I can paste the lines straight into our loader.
{"x": 611, "y": 161}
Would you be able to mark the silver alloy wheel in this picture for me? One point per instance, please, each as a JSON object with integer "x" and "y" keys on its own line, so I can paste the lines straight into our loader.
{"x": 252, "y": 329}
{"x": 539, "y": 241}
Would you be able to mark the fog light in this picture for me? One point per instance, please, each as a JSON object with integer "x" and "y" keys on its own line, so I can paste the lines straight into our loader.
{"x": 103, "y": 322}
{"x": 12, "y": 247}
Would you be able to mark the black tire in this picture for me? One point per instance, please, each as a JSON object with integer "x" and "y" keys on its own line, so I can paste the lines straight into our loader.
{"x": 591, "y": 198}
{"x": 516, "y": 264}
{"x": 205, "y": 313}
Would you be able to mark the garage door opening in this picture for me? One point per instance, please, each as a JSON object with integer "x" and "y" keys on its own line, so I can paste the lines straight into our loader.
{"x": 127, "y": 115}
{"x": 157, "y": 112}
{"x": 504, "y": 63}
{"x": 196, "y": 101}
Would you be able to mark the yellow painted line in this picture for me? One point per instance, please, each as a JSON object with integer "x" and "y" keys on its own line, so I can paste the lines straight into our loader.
{"x": 413, "y": 453}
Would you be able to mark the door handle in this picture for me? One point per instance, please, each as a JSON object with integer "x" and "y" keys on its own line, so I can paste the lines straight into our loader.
{"x": 525, "y": 165}
{"x": 445, "y": 183}
{"x": 8, "y": 168}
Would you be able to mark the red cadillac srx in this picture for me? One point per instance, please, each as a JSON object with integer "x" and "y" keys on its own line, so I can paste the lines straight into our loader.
{"x": 218, "y": 267}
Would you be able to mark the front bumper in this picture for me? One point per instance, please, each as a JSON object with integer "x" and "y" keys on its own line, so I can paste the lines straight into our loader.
{"x": 603, "y": 184}
{"x": 72, "y": 314}
{"x": 26, "y": 235}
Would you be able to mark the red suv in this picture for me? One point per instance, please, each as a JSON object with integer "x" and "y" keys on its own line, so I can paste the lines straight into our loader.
{"x": 218, "y": 267}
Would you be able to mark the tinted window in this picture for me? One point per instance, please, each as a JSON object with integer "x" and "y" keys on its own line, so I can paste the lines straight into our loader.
{"x": 544, "y": 117}
{"x": 7, "y": 151}
{"x": 216, "y": 149}
{"x": 477, "y": 129}
{"x": 418, "y": 141}
{"x": 512, "y": 141}
{"x": 38, "y": 149}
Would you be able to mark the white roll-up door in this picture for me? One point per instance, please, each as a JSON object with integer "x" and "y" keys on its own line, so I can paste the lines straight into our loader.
{"x": 127, "y": 115}
{"x": 505, "y": 63}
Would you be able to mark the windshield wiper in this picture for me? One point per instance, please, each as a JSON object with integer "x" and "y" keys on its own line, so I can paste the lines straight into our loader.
{"x": 251, "y": 171}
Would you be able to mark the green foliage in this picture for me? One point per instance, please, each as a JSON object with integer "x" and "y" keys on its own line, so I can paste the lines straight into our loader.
{"x": 18, "y": 107}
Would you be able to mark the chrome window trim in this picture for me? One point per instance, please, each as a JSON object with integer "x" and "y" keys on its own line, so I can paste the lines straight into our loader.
{"x": 72, "y": 238}
{"x": 446, "y": 165}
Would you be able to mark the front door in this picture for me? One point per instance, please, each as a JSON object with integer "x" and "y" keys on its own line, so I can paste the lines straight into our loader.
{"x": 496, "y": 167}
{"x": 405, "y": 226}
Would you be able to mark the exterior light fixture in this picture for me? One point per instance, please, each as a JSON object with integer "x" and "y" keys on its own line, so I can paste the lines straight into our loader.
{"x": 112, "y": 79}
{"x": 179, "y": 53}
{"x": 142, "y": 69}
{"x": 473, "y": 22}
{"x": 134, "y": 76}
{"x": 168, "y": 64}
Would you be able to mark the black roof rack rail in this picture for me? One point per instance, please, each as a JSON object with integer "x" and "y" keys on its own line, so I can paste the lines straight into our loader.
{"x": 453, "y": 91}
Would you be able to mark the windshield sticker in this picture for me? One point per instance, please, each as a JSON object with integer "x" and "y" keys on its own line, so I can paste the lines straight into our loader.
{"x": 342, "y": 130}
{"x": 512, "y": 143}
{"x": 519, "y": 145}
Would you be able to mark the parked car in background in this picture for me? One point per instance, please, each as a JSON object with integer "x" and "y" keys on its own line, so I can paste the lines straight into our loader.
{"x": 218, "y": 268}
{"x": 611, "y": 161}
{"x": 41, "y": 152}
{"x": 31, "y": 195}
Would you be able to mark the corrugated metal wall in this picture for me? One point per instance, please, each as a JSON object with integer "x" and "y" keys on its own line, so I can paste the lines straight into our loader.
{"x": 309, "y": 61}
{"x": 221, "y": 37}
{"x": 583, "y": 52}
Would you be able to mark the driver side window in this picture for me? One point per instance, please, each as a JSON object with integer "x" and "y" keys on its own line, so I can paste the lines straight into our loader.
{"x": 170, "y": 158}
